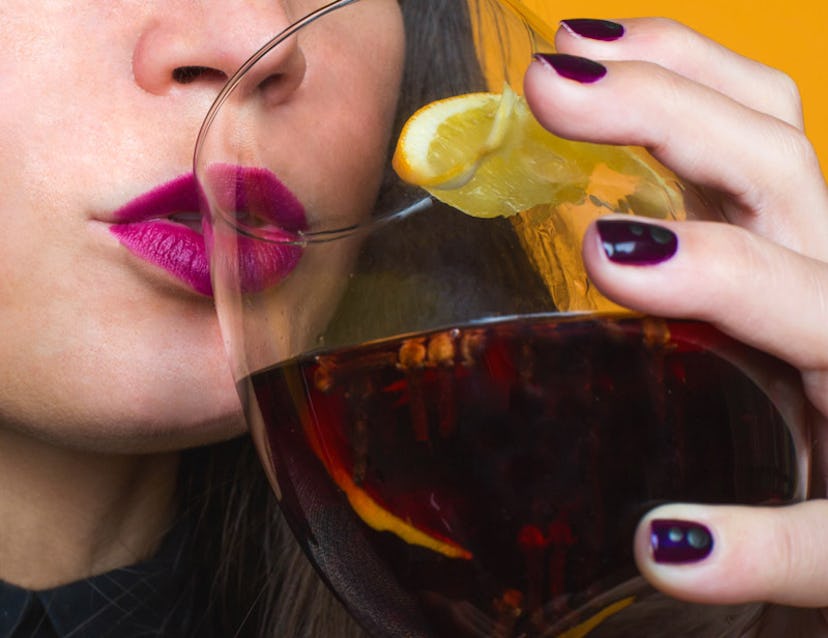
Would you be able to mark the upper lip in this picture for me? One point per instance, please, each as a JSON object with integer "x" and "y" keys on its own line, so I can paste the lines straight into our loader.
{"x": 253, "y": 200}
{"x": 179, "y": 196}
{"x": 253, "y": 196}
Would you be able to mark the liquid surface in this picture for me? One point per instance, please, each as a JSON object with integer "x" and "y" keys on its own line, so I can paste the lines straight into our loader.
{"x": 487, "y": 480}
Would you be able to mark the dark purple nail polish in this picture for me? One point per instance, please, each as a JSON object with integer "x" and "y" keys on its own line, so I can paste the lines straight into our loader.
{"x": 573, "y": 67}
{"x": 636, "y": 243}
{"x": 594, "y": 29}
{"x": 674, "y": 541}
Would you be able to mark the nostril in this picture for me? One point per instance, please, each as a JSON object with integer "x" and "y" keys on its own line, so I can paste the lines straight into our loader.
{"x": 278, "y": 87}
{"x": 189, "y": 74}
{"x": 273, "y": 83}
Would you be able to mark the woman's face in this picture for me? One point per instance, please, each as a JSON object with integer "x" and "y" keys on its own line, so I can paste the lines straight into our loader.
{"x": 100, "y": 103}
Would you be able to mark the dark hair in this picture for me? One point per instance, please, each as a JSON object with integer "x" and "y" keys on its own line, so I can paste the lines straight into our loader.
{"x": 248, "y": 573}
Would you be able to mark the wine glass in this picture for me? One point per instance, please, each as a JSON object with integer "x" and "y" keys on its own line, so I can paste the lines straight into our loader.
{"x": 460, "y": 430}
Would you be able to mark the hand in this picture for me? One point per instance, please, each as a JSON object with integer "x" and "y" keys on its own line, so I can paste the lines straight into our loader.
{"x": 732, "y": 128}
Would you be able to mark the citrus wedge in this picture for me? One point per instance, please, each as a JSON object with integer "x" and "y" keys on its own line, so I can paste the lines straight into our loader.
{"x": 486, "y": 155}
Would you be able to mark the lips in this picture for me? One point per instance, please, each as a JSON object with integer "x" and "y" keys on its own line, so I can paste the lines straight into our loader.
{"x": 164, "y": 226}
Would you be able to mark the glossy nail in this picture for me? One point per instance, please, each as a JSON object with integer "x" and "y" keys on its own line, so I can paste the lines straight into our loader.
{"x": 572, "y": 67}
{"x": 636, "y": 243}
{"x": 594, "y": 29}
{"x": 677, "y": 542}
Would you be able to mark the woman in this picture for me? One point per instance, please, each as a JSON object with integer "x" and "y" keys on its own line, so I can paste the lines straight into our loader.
{"x": 112, "y": 360}
{"x": 108, "y": 355}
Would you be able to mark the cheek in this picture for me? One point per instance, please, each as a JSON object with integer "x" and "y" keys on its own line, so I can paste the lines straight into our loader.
{"x": 340, "y": 126}
{"x": 355, "y": 129}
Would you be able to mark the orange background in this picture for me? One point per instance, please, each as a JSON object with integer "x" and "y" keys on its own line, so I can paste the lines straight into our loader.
{"x": 782, "y": 35}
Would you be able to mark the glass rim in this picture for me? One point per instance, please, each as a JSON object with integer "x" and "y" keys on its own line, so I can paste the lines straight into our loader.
{"x": 305, "y": 238}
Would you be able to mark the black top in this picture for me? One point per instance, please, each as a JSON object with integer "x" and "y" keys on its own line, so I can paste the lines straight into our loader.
{"x": 152, "y": 598}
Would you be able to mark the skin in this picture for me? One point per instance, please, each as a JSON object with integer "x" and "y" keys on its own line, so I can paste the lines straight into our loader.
{"x": 761, "y": 276}
{"x": 107, "y": 359}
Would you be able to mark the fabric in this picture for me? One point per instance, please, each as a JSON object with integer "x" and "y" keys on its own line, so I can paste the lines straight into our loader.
{"x": 151, "y": 598}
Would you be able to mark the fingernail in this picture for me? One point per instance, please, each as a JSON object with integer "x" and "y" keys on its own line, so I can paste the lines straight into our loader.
{"x": 594, "y": 29}
{"x": 636, "y": 243}
{"x": 676, "y": 542}
{"x": 572, "y": 67}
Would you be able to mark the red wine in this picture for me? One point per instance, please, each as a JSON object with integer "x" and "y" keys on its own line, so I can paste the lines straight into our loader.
{"x": 489, "y": 478}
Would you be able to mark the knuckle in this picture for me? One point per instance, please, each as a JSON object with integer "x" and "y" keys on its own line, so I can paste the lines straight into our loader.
{"x": 672, "y": 39}
{"x": 815, "y": 383}
{"x": 743, "y": 274}
{"x": 795, "y": 162}
{"x": 667, "y": 27}
{"x": 783, "y": 564}
{"x": 798, "y": 148}
{"x": 747, "y": 256}
{"x": 794, "y": 556}
{"x": 786, "y": 555}
{"x": 670, "y": 28}
{"x": 784, "y": 86}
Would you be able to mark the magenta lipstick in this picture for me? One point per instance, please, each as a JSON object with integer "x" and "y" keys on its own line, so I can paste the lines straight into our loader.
{"x": 164, "y": 226}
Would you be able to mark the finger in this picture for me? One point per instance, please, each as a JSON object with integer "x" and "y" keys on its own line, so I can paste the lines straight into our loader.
{"x": 729, "y": 555}
{"x": 686, "y": 52}
{"x": 706, "y": 270}
{"x": 766, "y": 168}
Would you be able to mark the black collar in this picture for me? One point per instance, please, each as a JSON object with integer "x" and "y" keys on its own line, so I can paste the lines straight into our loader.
{"x": 151, "y": 598}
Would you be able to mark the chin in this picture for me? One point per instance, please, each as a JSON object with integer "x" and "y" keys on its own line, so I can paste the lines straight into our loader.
{"x": 131, "y": 437}
{"x": 148, "y": 422}
{"x": 175, "y": 392}
{"x": 120, "y": 377}
{"x": 154, "y": 427}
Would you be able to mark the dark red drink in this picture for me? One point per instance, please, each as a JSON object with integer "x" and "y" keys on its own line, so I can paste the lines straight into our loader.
{"x": 487, "y": 480}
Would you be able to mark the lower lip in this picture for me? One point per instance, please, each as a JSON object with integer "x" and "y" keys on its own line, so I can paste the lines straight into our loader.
{"x": 182, "y": 252}
{"x": 173, "y": 247}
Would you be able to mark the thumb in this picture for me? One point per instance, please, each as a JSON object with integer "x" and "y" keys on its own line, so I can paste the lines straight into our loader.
{"x": 737, "y": 554}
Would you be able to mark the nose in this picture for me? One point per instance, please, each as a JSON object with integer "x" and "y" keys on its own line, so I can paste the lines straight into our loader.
{"x": 197, "y": 46}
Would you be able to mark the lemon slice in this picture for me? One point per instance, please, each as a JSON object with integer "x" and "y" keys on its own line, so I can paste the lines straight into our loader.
{"x": 485, "y": 154}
